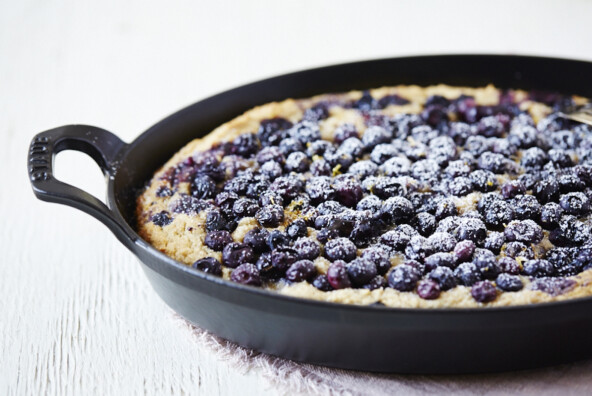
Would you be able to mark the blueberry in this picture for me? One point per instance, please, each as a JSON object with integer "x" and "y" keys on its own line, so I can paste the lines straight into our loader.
{"x": 550, "y": 215}
{"x": 424, "y": 223}
{"x": 507, "y": 282}
{"x": 518, "y": 249}
{"x": 570, "y": 232}
{"x": 512, "y": 188}
{"x": 494, "y": 241}
{"x": 352, "y": 147}
{"x": 460, "y": 186}
{"x": 396, "y": 209}
{"x": 444, "y": 276}
{"x": 538, "y": 268}
{"x": 235, "y": 254}
{"x": 297, "y": 229}
{"x": 347, "y": 191}
{"x": 282, "y": 257}
{"x": 270, "y": 153}
{"x": 307, "y": 249}
{"x": 163, "y": 191}
{"x": 472, "y": 229}
{"x": 487, "y": 266}
{"x": 379, "y": 255}
{"x": 161, "y": 219}
{"x": 319, "y": 189}
{"x": 270, "y": 198}
{"x": 445, "y": 208}
{"x": 246, "y": 274}
{"x": 570, "y": 182}
{"x": 477, "y": 145}
{"x": 552, "y": 286}
{"x": 246, "y": 145}
{"x": 365, "y": 103}
{"x": 320, "y": 167}
{"x": 203, "y": 187}
{"x": 483, "y": 292}
{"x": 467, "y": 274}
{"x": 319, "y": 148}
{"x": 498, "y": 213}
{"x": 460, "y": 132}
{"x": 277, "y": 239}
{"x": 322, "y": 283}
{"x": 378, "y": 282}
{"x": 523, "y": 136}
{"x": 458, "y": 168}
{"x": 208, "y": 265}
{"x": 546, "y": 190}
{"x": 442, "y": 241}
{"x": 272, "y": 131}
{"x": 425, "y": 170}
{"x": 508, "y": 265}
{"x": 371, "y": 203}
{"x": 270, "y": 216}
{"x": 216, "y": 240}
{"x": 440, "y": 259}
{"x": 495, "y": 163}
{"x": 423, "y": 134}
{"x": 534, "y": 158}
{"x": 361, "y": 271}
{"x": 565, "y": 262}
{"x": 575, "y": 203}
{"x": 271, "y": 169}
{"x": 216, "y": 221}
{"x": 297, "y": 162}
{"x": 374, "y": 136}
{"x": 434, "y": 115}
{"x": 418, "y": 248}
{"x": 382, "y": 153}
{"x": 386, "y": 187}
{"x": 318, "y": 112}
{"x": 339, "y": 160}
{"x": 287, "y": 187}
{"x": 528, "y": 180}
{"x": 256, "y": 238}
{"x": 364, "y": 231}
{"x": 403, "y": 277}
{"x": 389, "y": 100}
{"x": 340, "y": 249}
{"x": 245, "y": 207}
{"x": 524, "y": 231}
{"x": 560, "y": 158}
{"x": 526, "y": 207}
{"x": 337, "y": 275}
{"x": 490, "y": 127}
{"x": 256, "y": 189}
{"x": 290, "y": 145}
{"x": 302, "y": 270}
{"x": 343, "y": 132}
{"x": 464, "y": 251}
{"x": 363, "y": 169}
{"x": 428, "y": 289}
{"x": 395, "y": 239}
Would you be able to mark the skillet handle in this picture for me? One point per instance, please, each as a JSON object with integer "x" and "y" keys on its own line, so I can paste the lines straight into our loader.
{"x": 103, "y": 146}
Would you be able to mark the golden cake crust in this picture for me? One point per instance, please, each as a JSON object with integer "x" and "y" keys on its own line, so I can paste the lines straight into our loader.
{"x": 183, "y": 238}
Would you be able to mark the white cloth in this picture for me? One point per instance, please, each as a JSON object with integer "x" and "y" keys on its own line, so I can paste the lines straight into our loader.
{"x": 291, "y": 377}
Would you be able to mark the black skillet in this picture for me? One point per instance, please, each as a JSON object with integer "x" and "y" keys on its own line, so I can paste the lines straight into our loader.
{"x": 369, "y": 338}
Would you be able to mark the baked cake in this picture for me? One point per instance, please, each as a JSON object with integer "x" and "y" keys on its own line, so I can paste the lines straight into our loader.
{"x": 403, "y": 196}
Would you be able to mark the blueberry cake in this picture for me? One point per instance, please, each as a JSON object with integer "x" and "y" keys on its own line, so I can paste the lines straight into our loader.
{"x": 400, "y": 196}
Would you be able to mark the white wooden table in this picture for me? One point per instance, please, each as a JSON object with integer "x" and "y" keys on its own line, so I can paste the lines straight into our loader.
{"x": 77, "y": 315}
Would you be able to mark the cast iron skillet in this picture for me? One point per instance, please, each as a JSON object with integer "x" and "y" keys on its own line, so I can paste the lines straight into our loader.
{"x": 369, "y": 338}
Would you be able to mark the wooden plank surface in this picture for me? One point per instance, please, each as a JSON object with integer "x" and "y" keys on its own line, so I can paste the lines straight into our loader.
{"x": 77, "y": 315}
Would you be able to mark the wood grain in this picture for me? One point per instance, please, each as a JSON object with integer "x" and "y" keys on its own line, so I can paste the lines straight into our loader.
{"x": 77, "y": 315}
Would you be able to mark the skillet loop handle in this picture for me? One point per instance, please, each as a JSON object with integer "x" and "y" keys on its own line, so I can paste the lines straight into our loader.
{"x": 103, "y": 146}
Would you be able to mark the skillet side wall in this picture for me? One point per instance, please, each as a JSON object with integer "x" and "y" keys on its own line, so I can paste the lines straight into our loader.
{"x": 374, "y": 339}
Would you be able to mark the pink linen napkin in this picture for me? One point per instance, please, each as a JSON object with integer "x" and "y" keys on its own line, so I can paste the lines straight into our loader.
{"x": 291, "y": 377}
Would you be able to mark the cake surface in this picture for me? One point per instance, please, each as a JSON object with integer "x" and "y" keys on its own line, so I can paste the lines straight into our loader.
{"x": 403, "y": 196}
